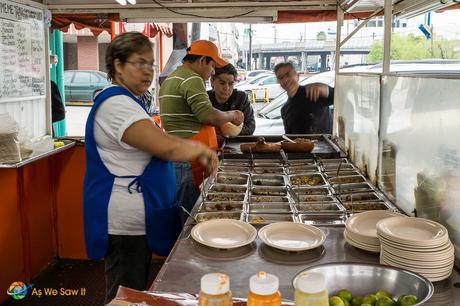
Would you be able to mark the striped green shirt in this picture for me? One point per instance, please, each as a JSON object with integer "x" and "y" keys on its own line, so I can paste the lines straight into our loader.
{"x": 184, "y": 103}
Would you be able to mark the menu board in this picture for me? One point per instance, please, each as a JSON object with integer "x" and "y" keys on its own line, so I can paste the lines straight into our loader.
{"x": 22, "y": 51}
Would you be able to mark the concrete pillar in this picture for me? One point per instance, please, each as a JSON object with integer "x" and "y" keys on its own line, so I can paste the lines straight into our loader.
{"x": 285, "y": 58}
{"x": 88, "y": 53}
{"x": 267, "y": 63}
{"x": 260, "y": 65}
{"x": 323, "y": 62}
{"x": 303, "y": 61}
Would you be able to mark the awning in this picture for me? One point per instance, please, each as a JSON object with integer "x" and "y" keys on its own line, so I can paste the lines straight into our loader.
{"x": 316, "y": 16}
{"x": 149, "y": 29}
{"x": 97, "y": 23}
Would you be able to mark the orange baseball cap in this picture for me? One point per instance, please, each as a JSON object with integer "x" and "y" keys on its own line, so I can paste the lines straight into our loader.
{"x": 206, "y": 48}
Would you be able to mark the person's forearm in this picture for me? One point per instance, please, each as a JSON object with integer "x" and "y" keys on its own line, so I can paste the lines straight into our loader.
{"x": 217, "y": 117}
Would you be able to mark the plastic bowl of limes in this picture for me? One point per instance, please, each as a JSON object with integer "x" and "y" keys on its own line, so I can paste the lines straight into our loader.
{"x": 359, "y": 284}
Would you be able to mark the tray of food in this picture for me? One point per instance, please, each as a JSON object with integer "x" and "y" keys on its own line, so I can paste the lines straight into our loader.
{"x": 316, "y": 198}
{"x": 334, "y": 173}
{"x": 223, "y": 196}
{"x": 231, "y": 178}
{"x": 206, "y": 216}
{"x": 321, "y": 207}
{"x": 322, "y": 219}
{"x": 365, "y": 196}
{"x": 268, "y": 170}
{"x": 352, "y": 207}
{"x": 268, "y": 180}
{"x": 347, "y": 179}
{"x": 329, "y": 161}
{"x": 228, "y": 206}
{"x": 234, "y": 169}
{"x": 311, "y": 190}
{"x": 270, "y": 208}
{"x": 227, "y": 188}
{"x": 303, "y": 169}
{"x": 264, "y": 162}
{"x": 268, "y": 199}
{"x": 235, "y": 162}
{"x": 313, "y": 179}
{"x": 269, "y": 190}
{"x": 335, "y": 167}
{"x": 301, "y": 162}
{"x": 270, "y": 218}
{"x": 352, "y": 188}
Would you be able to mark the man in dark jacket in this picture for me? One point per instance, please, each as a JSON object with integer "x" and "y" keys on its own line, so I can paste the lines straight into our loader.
{"x": 225, "y": 98}
{"x": 307, "y": 108}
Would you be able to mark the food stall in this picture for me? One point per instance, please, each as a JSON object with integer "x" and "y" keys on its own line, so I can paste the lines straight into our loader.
{"x": 392, "y": 149}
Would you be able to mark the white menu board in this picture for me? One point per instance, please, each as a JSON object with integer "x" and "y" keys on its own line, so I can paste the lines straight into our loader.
{"x": 22, "y": 51}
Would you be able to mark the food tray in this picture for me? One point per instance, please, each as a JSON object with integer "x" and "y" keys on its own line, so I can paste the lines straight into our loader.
{"x": 267, "y": 162}
{"x": 205, "y": 216}
{"x": 365, "y": 196}
{"x": 307, "y": 179}
{"x": 332, "y": 173}
{"x": 268, "y": 170}
{"x": 269, "y": 190}
{"x": 329, "y": 161}
{"x": 311, "y": 190}
{"x": 226, "y": 188}
{"x": 268, "y": 180}
{"x": 321, "y": 207}
{"x": 270, "y": 208}
{"x": 270, "y": 218}
{"x": 268, "y": 199}
{"x": 334, "y": 167}
{"x": 365, "y": 206}
{"x": 316, "y": 198}
{"x": 234, "y": 169}
{"x": 347, "y": 179}
{"x": 223, "y": 197}
{"x": 231, "y": 178}
{"x": 235, "y": 162}
{"x": 322, "y": 219}
{"x": 303, "y": 169}
{"x": 352, "y": 188}
{"x": 301, "y": 162}
{"x": 221, "y": 206}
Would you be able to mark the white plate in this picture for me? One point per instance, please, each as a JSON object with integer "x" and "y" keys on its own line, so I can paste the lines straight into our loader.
{"x": 364, "y": 240}
{"x": 365, "y": 223}
{"x": 365, "y": 247}
{"x": 414, "y": 248}
{"x": 419, "y": 263}
{"x": 224, "y": 233}
{"x": 294, "y": 237}
{"x": 412, "y": 231}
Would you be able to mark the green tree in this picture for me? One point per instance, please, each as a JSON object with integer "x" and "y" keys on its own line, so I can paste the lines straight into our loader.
{"x": 321, "y": 36}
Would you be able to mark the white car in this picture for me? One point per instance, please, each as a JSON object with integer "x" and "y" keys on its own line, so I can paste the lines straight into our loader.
{"x": 262, "y": 88}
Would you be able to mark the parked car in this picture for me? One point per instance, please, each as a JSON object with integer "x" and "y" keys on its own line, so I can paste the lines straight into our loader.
{"x": 252, "y": 80}
{"x": 253, "y": 73}
{"x": 267, "y": 84}
{"x": 79, "y": 85}
{"x": 241, "y": 76}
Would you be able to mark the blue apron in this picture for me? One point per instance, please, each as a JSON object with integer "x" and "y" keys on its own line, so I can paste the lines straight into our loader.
{"x": 157, "y": 184}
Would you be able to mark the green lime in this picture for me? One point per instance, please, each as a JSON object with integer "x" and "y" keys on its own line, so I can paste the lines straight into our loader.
{"x": 366, "y": 305}
{"x": 384, "y": 301}
{"x": 336, "y": 301}
{"x": 345, "y": 295}
{"x": 346, "y": 302}
{"x": 370, "y": 299}
{"x": 357, "y": 301}
{"x": 408, "y": 300}
{"x": 382, "y": 293}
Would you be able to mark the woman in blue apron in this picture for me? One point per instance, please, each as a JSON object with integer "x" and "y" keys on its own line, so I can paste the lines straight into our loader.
{"x": 129, "y": 198}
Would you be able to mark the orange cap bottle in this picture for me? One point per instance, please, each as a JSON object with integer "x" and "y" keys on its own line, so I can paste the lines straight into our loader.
{"x": 263, "y": 290}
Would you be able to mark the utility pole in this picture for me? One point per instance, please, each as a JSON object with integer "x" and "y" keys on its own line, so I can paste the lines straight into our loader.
{"x": 274, "y": 33}
{"x": 250, "y": 47}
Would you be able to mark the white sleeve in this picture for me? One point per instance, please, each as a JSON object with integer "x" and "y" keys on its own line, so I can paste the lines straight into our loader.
{"x": 118, "y": 113}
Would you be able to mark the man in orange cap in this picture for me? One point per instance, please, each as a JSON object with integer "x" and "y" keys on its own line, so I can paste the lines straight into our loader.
{"x": 187, "y": 112}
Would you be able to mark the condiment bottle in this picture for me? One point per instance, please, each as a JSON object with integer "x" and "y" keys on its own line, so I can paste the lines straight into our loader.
{"x": 310, "y": 290}
{"x": 215, "y": 290}
{"x": 263, "y": 290}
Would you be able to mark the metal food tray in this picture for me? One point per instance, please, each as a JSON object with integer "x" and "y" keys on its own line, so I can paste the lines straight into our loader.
{"x": 324, "y": 147}
{"x": 234, "y": 169}
{"x": 311, "y": 190}
{"x": 366, "y": 206}
{"x": 365, "y": 196}
{"x": 332, "y": 173}
{"x": 268, "y": 170}
{"x": 322, "y": 219}
{"x": 326, "y": 161}
{"x": 347, "y": 179}
{"x": 303, "y": 169}
{"x": 334, "y": 167}
{"x": 268, "y": 180}
{"x": 269, "y": 190}
{"x": 270, "y": 208}
{"x": 352, "y": 188}
{"x": 301, "y": 162}
{"x": 235, "y": 162}
{"x": 268, "y": 199}
{"x": 270, "y": 218}
{"x": 316, "y": 198}
{"x": 231, "y": 178}
{"x": 319, "y": 207}
{"x": 227, "y": 206}
{"x": 223, "y": 197}
{"x": 227, "y": 188}
{"x": 267, "y": 162}
{"x": 318, "y": 179}
{"x": 205, "y": 216}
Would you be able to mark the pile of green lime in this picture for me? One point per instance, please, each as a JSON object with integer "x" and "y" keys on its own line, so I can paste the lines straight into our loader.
{"x": 379, "y": 298}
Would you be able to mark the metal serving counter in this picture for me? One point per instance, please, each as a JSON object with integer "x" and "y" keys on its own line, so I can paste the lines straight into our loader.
{"x": 189, "y": 261}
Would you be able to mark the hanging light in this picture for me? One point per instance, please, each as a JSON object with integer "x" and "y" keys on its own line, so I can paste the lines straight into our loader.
{"x": 122, "y": 2}
{"x": 132, "y": 1}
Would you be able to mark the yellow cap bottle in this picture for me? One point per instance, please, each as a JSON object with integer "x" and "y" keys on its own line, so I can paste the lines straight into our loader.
{"x": 263, "y": 290}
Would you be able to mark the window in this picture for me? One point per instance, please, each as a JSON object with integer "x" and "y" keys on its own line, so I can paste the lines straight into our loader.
{"x": 82, "y": 77}
{"x": 270, "y": 81}
{"x": 95, "y": 78}
{"x": 68, "y": 77}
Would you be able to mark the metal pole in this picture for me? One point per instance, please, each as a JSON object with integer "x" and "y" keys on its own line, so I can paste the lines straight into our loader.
{"x": 250, "y": 46}
{"x": 388, "y": 13}
{"x": 338, "y": 38}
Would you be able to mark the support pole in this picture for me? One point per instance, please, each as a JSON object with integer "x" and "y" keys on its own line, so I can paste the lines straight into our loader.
{"x": 387, "y": 36}
{"x": 338, "y": 38}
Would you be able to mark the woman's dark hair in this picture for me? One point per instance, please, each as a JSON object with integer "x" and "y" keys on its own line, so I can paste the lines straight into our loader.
{"x": 227, "y": 69}
{"x": 122, "y": 47}
{"x": 282, "y": 65}
{"x": 191, "y": 58}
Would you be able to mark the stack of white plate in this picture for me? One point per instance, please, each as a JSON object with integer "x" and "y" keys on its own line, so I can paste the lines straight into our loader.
{"x": 360, "y": 229}
{"x": 418, "y": 245}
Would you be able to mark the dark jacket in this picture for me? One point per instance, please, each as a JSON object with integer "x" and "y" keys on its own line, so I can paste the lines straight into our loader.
{"x": 303, "y": 116}
{"x": 57, "y": 107}
{"x": 237, "y": 101}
